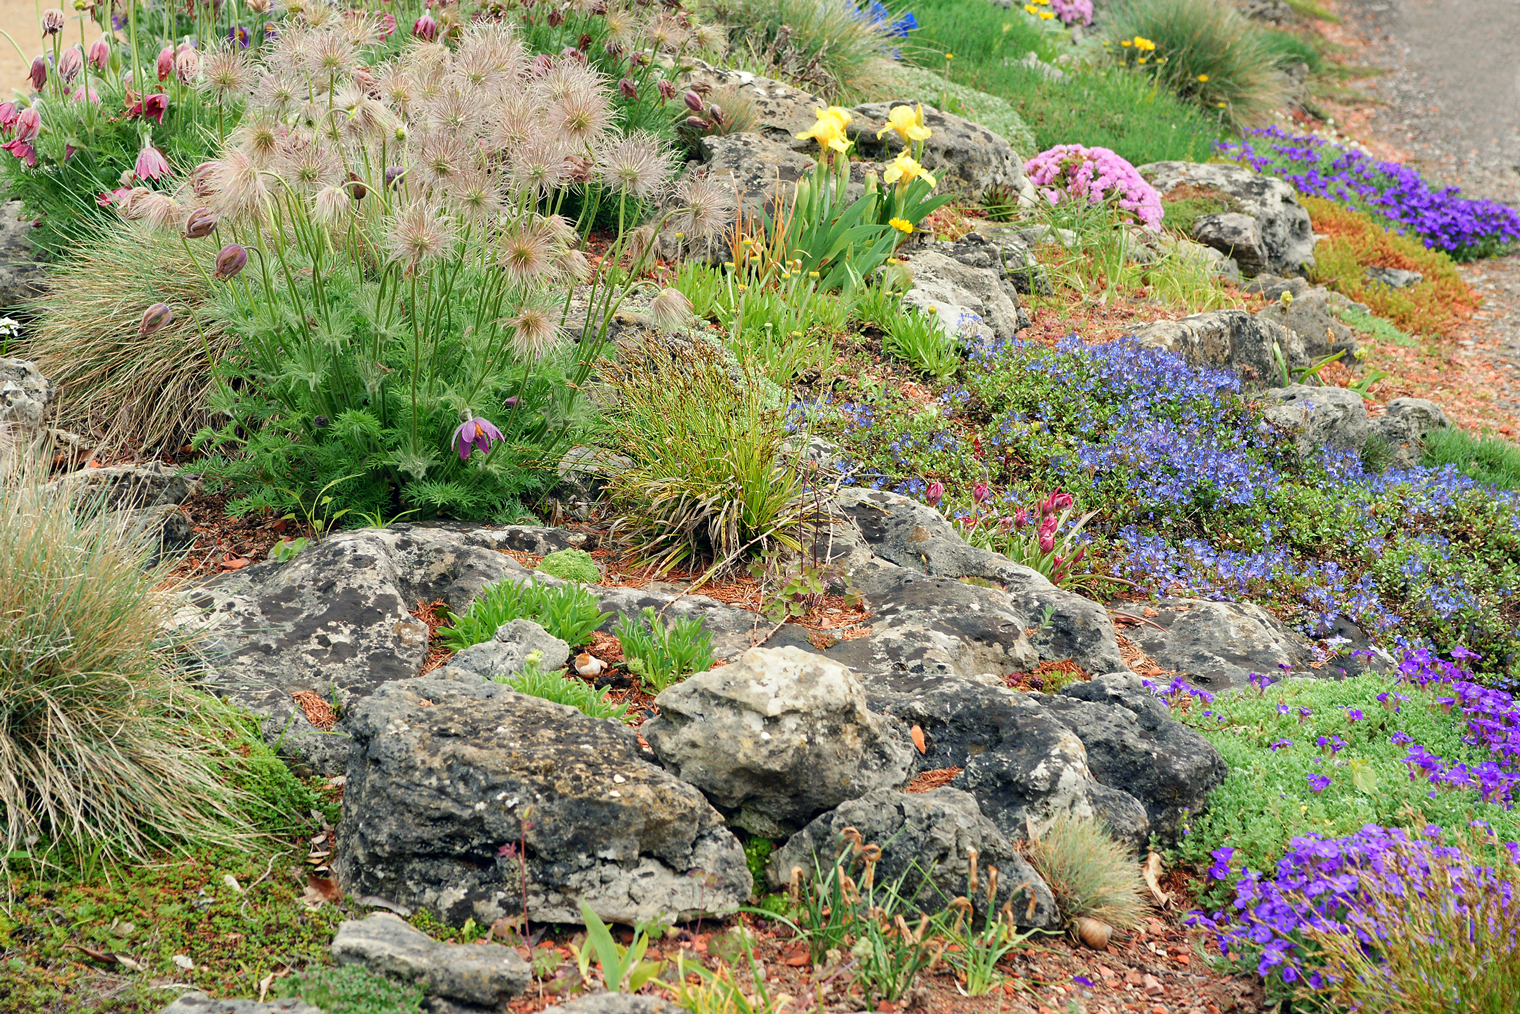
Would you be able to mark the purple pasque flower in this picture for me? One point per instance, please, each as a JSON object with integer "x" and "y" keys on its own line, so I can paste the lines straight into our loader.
{"x": 934, "y": 493}
{"x": 474, "y": 434}
{"x": 239, "y": 36}
{"x": 151, "y": 164}
{"x": 425, "y": 27}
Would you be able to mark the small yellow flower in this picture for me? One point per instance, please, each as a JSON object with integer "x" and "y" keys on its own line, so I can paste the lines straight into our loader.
{"x": 1141, "y": 60}
{"x": 1203, "y": 77}
{"x": 1126, "y": 42}
{"x": 907, "y": 123}
{"x": 680, "y": 235}
{"x": 907, "y": 170}
{"x": 901, "y": 225}
{"x": 812, "y": 274}
{"x": 893, "y": 261}
{"x": 949, "y": 56}
{"x": 1221, "y": 105}
{"x": 1031, "y": 8}
{"x": 728, "y": 264}
{"x": 932, "y": 308}
{"x": 1141, "y": 42}
{"x": 1046, "y": 15}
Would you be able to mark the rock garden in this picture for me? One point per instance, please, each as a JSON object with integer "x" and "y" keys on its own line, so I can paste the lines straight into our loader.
{"x": 744, "y": 507}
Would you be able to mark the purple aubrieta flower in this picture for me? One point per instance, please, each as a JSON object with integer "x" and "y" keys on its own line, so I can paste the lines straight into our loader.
{"x": 474, "y": 434}
{"x": 1222, "y": 856}
{"x": 1354, "y": 714}
{"x": 1318, "y": 783}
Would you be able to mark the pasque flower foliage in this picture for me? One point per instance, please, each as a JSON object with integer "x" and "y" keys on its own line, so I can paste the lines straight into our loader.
{"x": 1442, "y": 218}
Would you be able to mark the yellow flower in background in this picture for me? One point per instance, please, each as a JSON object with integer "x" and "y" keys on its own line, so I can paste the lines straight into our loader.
{"x": 1221, "y": 105}
{"x": 1142, "y": 59}
{"x": 906, "y": 170}
{"x": 1046, "y": 15}
{"x": 1141, "y": 42}
{"x": 1031, "y": 8}
{"x": 901, "y": 225}
{"x": 949, "y": 56}
{"x": 1126, "y": 42}
{"x": 908, "y": 124}
{"x": 1203, "y": 77}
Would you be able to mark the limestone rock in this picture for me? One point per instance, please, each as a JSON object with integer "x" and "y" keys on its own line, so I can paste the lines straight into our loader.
{"x": 1283, "y": 239}
{"x": 1218, "y": 645}
{"x": 1314, "y": 316}
{"x": 777, "y": 738}
{"x": 485, "y": 975}
{"x": 926, "y": 839}
{"x": 24, "y": 393}
{"x": 197, "y": 1002}
{"x": 760, "y": 172}
{"x": 448, "y": 774}
{"x": 128, "y": 487}
{"x": 1394, "y": 278}
{"x": 1320, "y": 416}
{"x": 507, "y": 653}
{"x": 955, "y": 290}
{"x": 1227, "y": 339}
{"x": 22, "y": 271}
{"x": 966, "y": 158}
{"x": 1404, "y": 423}
{"x": 781, "y": 111}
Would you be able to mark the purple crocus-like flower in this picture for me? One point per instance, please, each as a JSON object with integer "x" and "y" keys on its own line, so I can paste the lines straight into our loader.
{"x": 239, "y": 36}
{"x": 981, "y": 492}
{"x": 425, "y": 27}
{"x": 151, "y": 164}
{"x": 474, "y": 434}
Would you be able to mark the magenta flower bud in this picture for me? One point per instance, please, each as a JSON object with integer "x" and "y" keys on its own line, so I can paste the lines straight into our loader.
{"x": 187, "y": 63}
{"x": 151, "y": 164}
{"x": 387, "y": 25}
{"x": 1020, "y": 518}
{"x": 38, "y": 74}
{"x": 70, "y": 64}
{"x": 230, "y": 260}
{"x": 28, "y": 125}
{"x": 1055, "y": 503}
{"x": 165, "y": 63}
{"x": 473, "y": 435}
{"x": 934, "y": 493}
{"x": 100, "y": 54}
{"x": 425, "y": 27}
{"x": 981, "y": 492}
{"x": 715, "y": 113}
{"x": 200, "y": 223}
{"x": 628, "y": 88}
{"x": 1047, "y": 541}
{"x": 667, "y": 89}
{"x": 155, "y": 317}
{"x": 7, "y": 114}
{"x": 52, "y": 21}
{"x": 694, "y": 102}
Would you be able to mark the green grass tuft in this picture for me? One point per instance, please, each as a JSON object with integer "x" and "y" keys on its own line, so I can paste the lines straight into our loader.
{"x": 1486, "y": 459}
{"x": 349, "y": 989}
{"x": 1089, "y": 873}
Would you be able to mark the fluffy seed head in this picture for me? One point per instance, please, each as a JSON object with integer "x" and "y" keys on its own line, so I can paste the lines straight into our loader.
{"x": 534, "y": 331}
{"x": 418, "y": 234}
{"x": 671, "y": 310}
{"x": 636, "y": 165}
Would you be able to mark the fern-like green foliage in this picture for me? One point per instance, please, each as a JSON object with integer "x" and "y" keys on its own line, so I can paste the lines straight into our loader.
{"x": 661, "y": 654}
{"x": 563, "y": 689}
{"x": 569, "y": 612}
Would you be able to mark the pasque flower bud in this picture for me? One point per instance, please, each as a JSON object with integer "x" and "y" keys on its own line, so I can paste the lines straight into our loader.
{"x": 230, "y": 260}
{"x": 154, "y": 318}
{"x": 200, "y": 223}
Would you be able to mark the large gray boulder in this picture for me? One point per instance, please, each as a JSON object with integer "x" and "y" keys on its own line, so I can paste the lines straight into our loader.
{"x": 967, "y": 159}
{"x": 761, "y": 173}
{"x": 1026, "y": 757}
{"x": 927, "y": 840}
{"x": 1314, "y": 316}
{"x": 1404, "y": 423}
{"x": 22, "y": 269}
{"x": 1232, "y": 339}
{"x": 1270, "y": 231}
{"x": 1219, "y": 645}
{"x": 781, "y": 112}
{"x": 450, "y": 776}
{"x": 777, "y": 738}
{"x": 24, "y": 393}
{"x": 972, "y": 276}
{"x": 1319, "y": 416}
{"x": 482, "y": 975}
{"x": 132, "y": 487}
{"x": 916, "y": 538}
{"x": 336, "y": 621}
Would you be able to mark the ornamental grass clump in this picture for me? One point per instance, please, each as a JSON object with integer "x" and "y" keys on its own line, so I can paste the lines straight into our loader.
{"x": 1441, "y": 218}
{"x": 1091, "y": 875}
{"x": 829, "y": 47}
{"x": 104, "y": 748}
{"x": 1206, "y": 52}
{"x": 709, "y": 480}
{"x": 396, "y": 268}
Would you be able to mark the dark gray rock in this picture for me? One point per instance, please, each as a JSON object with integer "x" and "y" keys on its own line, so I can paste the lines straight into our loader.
{"x": 449, "y": 775}
{"x": 759, "y": 172}
{"x": 926, "y": 841}
{"x": 507, "y": 653}
{"x": 1134, "y": 743}
{"x": 1394, "y": 278}
{"x": 24, "y": 393}
{"x": 127, "y": 487}
{"x": 777, "y": 738}
{"x": 1283, "y": 240}
{"x": 967, "y": 159}
{"x": 614, "y": 1003}
{"x": 168, "y": 531}
{"x": 484, "y": 975}
{"x": 1404, "y": 423}
{"x": 22, "y": 271}
{"x": 1319, "y": 416}
{"x": 1231, "y": 339}
{"x": 199, "y": 1003}
{"x": 583, "y": 472}
{"x": 1272, "y": 286}
{"x": 1218, "y": 645}
{"x": 1022, "y": 267}
{"x": 1314, "y": 316}
{"x": 918, "y": 539}
{"x": 1235, "y": 235}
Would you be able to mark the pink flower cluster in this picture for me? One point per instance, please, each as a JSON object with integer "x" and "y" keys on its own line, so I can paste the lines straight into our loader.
{"x": 1069, "y": 171}
{"x": 1073, "y": 12}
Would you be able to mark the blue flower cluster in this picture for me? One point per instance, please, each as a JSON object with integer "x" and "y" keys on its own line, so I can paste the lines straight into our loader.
{"x": 896, "y": 27}
{"x": 1444, "y": 219}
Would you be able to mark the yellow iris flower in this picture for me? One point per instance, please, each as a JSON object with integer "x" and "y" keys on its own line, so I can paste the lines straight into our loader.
{"x": 908, "y": 124}
{"x": 906, "y": 170}
{"x": 828, "y": 132}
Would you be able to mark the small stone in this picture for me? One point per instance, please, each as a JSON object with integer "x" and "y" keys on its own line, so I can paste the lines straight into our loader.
{"x": 199, "y": 1003}
{"x": 482, "y": 974}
